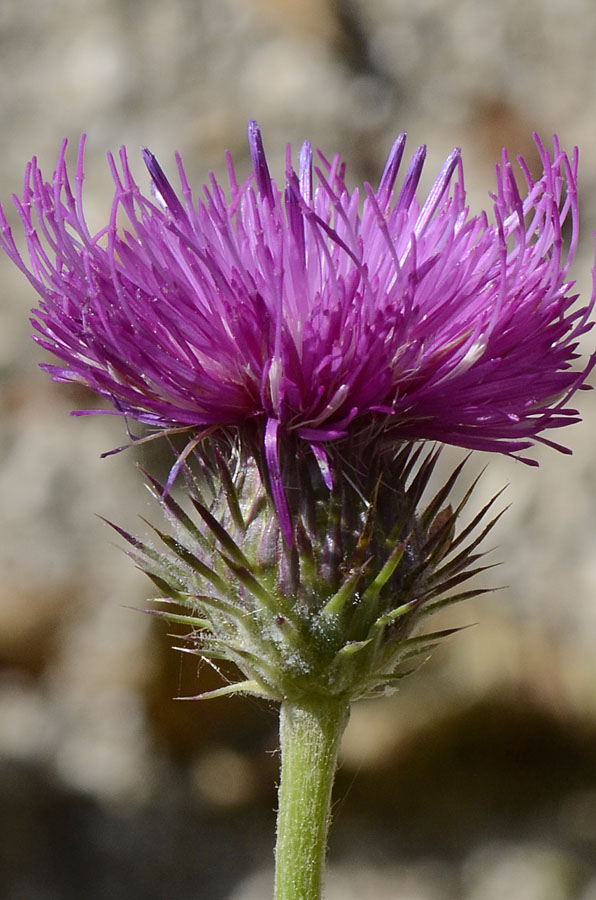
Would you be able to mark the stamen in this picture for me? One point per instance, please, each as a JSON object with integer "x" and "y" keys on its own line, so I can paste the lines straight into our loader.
{"x": 259, "y": 161}
{"x": 164, "y": 191}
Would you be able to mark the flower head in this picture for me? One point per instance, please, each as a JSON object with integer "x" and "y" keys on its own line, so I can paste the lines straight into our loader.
{"x": 311, "y": 313}
{"x": 306, "y": 337}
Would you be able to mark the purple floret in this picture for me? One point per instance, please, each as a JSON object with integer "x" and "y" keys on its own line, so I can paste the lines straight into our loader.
{"x": 314, "y": 311}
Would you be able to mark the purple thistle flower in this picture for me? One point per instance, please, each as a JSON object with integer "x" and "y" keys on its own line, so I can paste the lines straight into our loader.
{"x": 313, "y": 312}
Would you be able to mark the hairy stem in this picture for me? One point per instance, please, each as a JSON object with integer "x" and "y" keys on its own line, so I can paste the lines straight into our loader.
{"x": 310, "y": 733}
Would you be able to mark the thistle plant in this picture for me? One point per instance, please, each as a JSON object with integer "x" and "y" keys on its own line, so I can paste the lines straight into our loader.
{"x": 313, "y": 348}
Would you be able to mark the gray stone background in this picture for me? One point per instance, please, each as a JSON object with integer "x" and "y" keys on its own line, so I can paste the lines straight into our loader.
{"x": 477, "y": 780}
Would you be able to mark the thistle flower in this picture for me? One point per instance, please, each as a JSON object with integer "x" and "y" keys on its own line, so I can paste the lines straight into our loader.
{"x": 307, "y": 340}
{"x": 311, "y": 313}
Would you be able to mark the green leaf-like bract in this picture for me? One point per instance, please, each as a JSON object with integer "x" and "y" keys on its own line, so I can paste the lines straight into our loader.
{"x": 338, "y": 612}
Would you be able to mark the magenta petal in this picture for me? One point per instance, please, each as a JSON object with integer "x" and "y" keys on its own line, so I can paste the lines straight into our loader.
{"x": 323, "y": 462}
{"x": 276, "y": 479}
{"x": 327, "y": 311}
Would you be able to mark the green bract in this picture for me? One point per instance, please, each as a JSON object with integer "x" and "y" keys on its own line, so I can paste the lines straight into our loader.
{"x": 338, "y": 613}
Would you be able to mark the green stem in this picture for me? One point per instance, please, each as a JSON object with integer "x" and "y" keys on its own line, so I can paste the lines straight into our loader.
{"x": 310, "y": 733}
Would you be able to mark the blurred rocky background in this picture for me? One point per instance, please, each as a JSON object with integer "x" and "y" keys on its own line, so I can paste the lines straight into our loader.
{"x": 478, "y": 779}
